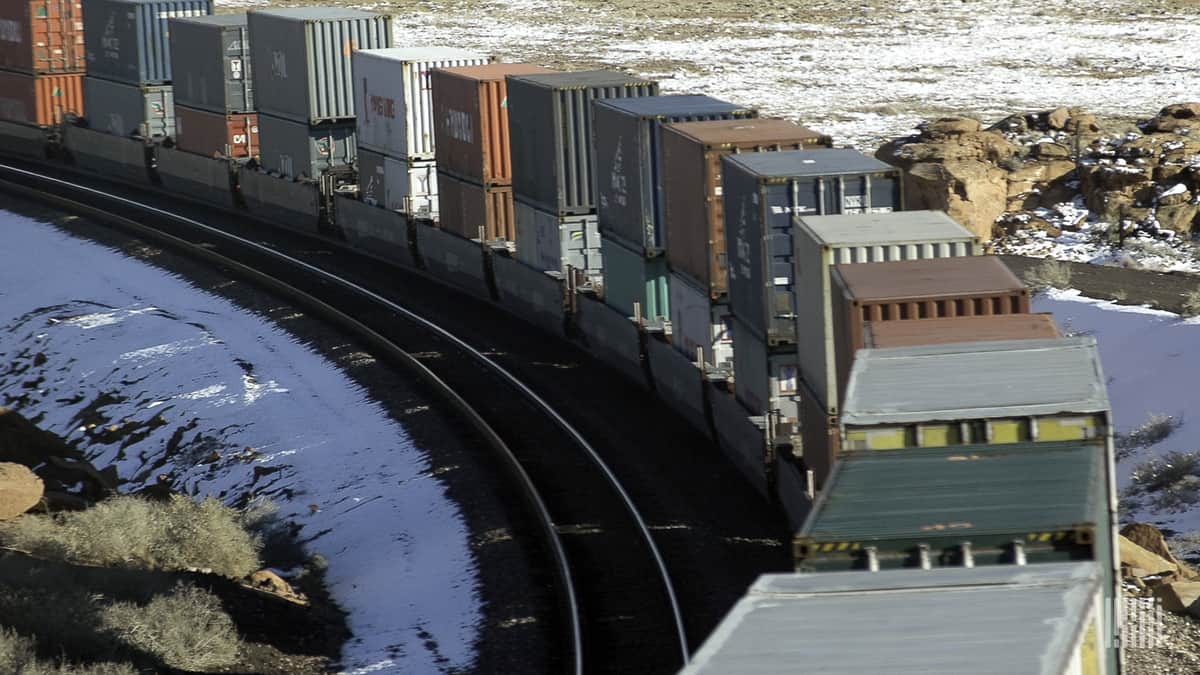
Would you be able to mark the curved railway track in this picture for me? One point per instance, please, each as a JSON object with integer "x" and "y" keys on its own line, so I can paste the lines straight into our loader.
{"x": 617, "y": 602}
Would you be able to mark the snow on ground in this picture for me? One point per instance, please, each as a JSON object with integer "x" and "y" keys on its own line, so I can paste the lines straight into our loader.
{"x": 1149, "y": 360}
{"x": 864, "y": 71}
{"x": 398, "y": 551}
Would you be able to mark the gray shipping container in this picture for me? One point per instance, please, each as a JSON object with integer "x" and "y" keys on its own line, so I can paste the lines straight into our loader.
{"x": 550, "y": 135}
{"x": 303, "y": 57}
{"x": 824, "y": 241}
{"x": 629, "y": 161}
{"x": 549, "y": 242}
{"x": 210, "y": 61}
{"x": 129, "y": 110}
{"x": 128, "y": 40}
{"x": 299, "y": 150}
{"x": 764, "y": 193}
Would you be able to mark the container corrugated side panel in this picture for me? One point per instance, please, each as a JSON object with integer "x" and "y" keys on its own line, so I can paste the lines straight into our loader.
{"x": 575, "y": 162}
{"x": 211, "y": 67}
{"x": 744, "y": 237}
{"x": 493, "y": 123}
{"x": 42, "y": 36}
{"x": 328, "y": 46}
{"x": 154, "y": 56}
{"x": 419, "y": 125}
{"x": 125, "y": 109}
{"x": 43, "y": 100}
{"x": 298, "y": 150}
{"x": 686, "y": 207}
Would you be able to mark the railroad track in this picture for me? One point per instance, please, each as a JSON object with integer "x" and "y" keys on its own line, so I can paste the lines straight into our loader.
{"x": 617, "y": 602}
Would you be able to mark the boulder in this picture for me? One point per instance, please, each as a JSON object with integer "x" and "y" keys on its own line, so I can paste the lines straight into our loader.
{"x": 1181, "y": 111}
{"x": 270, "y": 582}
{"x": 20, "y": 490}
{"x": 1051, "y": 151}
{"x": 1182, "y": 218}
{"x": 947, "y": 127}
{"x": 972, "y": 192}
{"x": 1180, "y": 597}
{"x": 1057, "y": 119}
{"x": 1148, "y": 537}
{"x": 1135, "y": 556}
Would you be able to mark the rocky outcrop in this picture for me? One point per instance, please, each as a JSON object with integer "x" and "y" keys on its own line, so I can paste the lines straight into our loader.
{"x": 1013, "y": 173}
{"x": 20, "y": 490}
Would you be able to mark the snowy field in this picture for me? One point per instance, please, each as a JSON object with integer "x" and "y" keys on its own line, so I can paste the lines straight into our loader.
{"x": 1149, "y": 360}
{"x": 137, "y": 343}
{"x": 862, "y": 71}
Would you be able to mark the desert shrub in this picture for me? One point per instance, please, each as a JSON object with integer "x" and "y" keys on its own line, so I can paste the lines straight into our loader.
{"x": 1191, "y": 303}
{"x": 1185, "y": 546}
{"x": 1167, "y": 483}
{"x": 174, "y": 535}
{"x": 18, "y": 656}
{"x": 63, "y": 619}
{"x": 185, "y": 629}
{"x": 1048, "y": 274}
{"x": 1157, "y": 428}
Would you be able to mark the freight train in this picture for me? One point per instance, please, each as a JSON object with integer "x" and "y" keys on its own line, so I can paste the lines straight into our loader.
{"x": 863, "y": 365}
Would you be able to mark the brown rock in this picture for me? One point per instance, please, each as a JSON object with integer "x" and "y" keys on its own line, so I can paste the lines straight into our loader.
{"x": 1180, "y": 197}
{"x": 20, "y": 490}
{"x": 1057, "y": 118}
{"x": 1181, "y": 111}
{"x": 1182, "y": 218}
{"x": 1135, "y": 556}
{"x": 1082, "y": 123}
{"x": 972, "y": 192}
{"x": 270, "y": 582}
{"x": 951, "y": 126}
{"x": 1180, "y": 597}
{"x": 1148, "y": 537}
{"x": 1051, "y": 151}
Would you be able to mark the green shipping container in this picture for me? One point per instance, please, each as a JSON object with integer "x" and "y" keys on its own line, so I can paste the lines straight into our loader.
{"x": 959, "y": 506}
{"x": 629, "y": 277}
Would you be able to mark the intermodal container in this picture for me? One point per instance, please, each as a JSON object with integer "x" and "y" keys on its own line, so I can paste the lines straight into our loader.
{"x": 129, "y": 110}
{"x": 42, "y": 36}
{"x": 392, "y": 88}
{"x": 129, "y": 40}
{"x": 297, "y": 150}
{"x": 765, "y": 378}
{"x": 407, "y": 186}
{"x": 303, "y": 71}
{"x": 628, "y": 144}
{"x": 631, "y": 278}
{"x": 964, "y": 506}
{"x": 202, "y": 132}
{"x": 960, "y": 329}
{"x": 699, "y": 322}
{"x": 553, "y": 243}
{"x": 464, "y": 207}
{"x": 43, "y": 100}
{"x": 470, "y": 120}
{"x": 908, "y": 290}
{"x": 764, "y": 193}
{"x": 693, "y": 209}
{"x": 550, "y": 135}
{"x": 211, "y": 64}
{"x": 820, "y": 242}
{"x": 1049, "y": 619}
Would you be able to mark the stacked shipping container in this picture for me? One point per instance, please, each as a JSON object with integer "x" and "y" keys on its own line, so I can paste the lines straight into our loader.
{"x": 553, "y": 164}
{"x": 302, "y": 85}
{"x": 629, "y": 175}
{"x": 470, "y": 113}
{"x": 128, "y": 85}
{"x": 693, "y": 221}
{"x": 41, "y": 60}
{"x": 214, "y": 95}
{"x": 396, "y": 125}
{"x": 765, "y": 193}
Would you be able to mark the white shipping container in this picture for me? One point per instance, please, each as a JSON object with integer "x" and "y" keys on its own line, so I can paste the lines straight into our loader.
{"x": 764, "y": 378}
{"x": 823, "y": 241}
{"x": 698, "y": 321}
{"x": 392, "y": 88}
{"x": 399, "y": 185}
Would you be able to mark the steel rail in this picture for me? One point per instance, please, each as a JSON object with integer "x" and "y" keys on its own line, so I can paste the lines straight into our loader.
{"x": 478, "y": 356}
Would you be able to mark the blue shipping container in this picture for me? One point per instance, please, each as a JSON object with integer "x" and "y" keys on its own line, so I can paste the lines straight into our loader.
{"x": 128, "y": 40}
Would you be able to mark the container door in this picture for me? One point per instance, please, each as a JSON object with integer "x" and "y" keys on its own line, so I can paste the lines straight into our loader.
{"x": 852, "y": 194}
{"x": 885, "y": 193}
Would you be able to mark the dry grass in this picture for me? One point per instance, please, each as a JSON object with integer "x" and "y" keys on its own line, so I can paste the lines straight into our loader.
{"x": 128, "y": 531}
{"x": 1169, "y": 483}
{"x": 1157, "y": 428}
{"x": 1047, "y": 275}
{"x": 187, "y": 629}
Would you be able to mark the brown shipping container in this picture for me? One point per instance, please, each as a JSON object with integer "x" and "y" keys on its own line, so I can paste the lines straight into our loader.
{"x": 883, "y": 334}
{"x": 467, "y": 206}
{"x": 213, "y": 134}
{"x": 42, "y": 36}
{"x": 40, "y": 99}
{"x": 470, "y": 112}
{"x": 933, "y": 288}
{"x": 693, "y": 210}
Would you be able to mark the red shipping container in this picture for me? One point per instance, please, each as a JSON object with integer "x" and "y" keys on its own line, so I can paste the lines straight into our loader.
{"x": 42, "y": 36}
{"x": 40, "y": 99}
{"x": 470, "y": 113}
{"x": 465, "y": 207}
{"x": 214, "y": 134}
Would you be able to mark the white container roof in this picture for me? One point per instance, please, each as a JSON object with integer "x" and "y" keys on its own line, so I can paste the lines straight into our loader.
{"x": 883, "y": 228}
